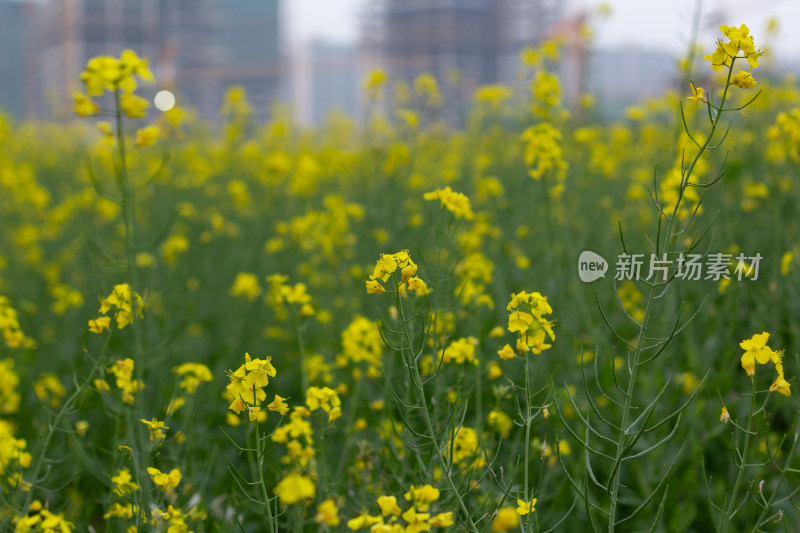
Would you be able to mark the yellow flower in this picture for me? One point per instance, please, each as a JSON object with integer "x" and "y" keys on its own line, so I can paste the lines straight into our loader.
{"x": 133, "y": 106}
{"x": 327, "y": 513}
{"x": 786, "y": 262}
{"x": 417, "y": 285}
{"x": 123, "y": 483}
{"x": 255, "y": 413}
{"x": 99, "y": 324}
{"x": 164, "y": 480}
{"x": 147, "y": 136}
{"x": 326, "y": 399}
{"x": 156, "y": 428}
{"x": 295, "y": 488}
{"x": 388, "y": 505}
{"x": 373, "y": 287}
{"x": 134, "y": 64}
{"x": 698, "y": 94}
{"x": 237, "y": 405}
{"x": 84, "y": 106}
{"x": 739, "y": 39}
{"x": 519, "y": 321}
{"x": 506, "y": 352}
{"x": 506, "y": 519}
{"x": 362, "y": 521}
{"x": 724, "y": 416}
{"x": 455, "y": 202}
{"x": 245, "y": 285}
{"x": 107, "y": 132}
{"x": 278, "y": 405}
{"x": 423, "y": 495}
{"x": 174, "y": 116}
{"x": 494, "y": 370}
{"x": 744, "y": 80}
{"x": 781, "y": 386}
{"x": 756, "y": 350}
{"x": 441, "y": 520}
{"x": 524, "y": 507}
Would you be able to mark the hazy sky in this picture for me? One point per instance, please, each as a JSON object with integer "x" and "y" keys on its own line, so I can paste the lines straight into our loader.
{"x": 654, "y": 23}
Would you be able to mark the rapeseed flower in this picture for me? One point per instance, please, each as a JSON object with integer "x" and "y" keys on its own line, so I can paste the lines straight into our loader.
{"x": 455, "y": 202}
{"x": 156, "y": 428}
{"x": 295, "y": 488}
{"x": 328, "y": 513}
{"x": 524, "y": 507}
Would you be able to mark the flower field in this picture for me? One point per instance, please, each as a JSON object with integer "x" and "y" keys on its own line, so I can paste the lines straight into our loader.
{"x": 383, "y": 325}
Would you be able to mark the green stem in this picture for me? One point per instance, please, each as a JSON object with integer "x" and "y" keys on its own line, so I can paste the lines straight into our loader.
{"x": 53, "y": 426}
{"x": 301, "y": 349}
{"x": 634, "y": 362}
{"x": 348, "y": 439}
{"x": 743, "y": 458}
{"x": 528, "y": 422}
{"x": 261, "y": 451}
{"x": 412, "y": 361}
{"x": 128, "y": 201}
{"x": 789, "y": 457}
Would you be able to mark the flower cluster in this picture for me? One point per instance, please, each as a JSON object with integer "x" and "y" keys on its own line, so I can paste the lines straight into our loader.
{"x": 739, "y": 40}
{"x": 117, "y": 75}
{"x": 417, "y": 517}
{"x": 543, "y": 152}
{"x": 756, "y": 352}
{"x": 123, "y": 483}
{"x": 361, "y": 341}
{"x": 455, "y": 202}
{"x": 387, "y": 265}
{"x": 460, "y": 351}
{"x": 49, "y": 389}
{"x": 165, "y": 480}
{"x": 174, "y": 520}
{"x": 192, "y": 376}
{"x": 326, "y": 399}
{"x": 297, "y": 436}
{"x": 246, "y": 286}
{"x": 280, "y": 293}
{"x": 295, "y": 488}
{"x": 156, "y": 428}
{"x": 12, "y": 450}
{"x": 526, "y": 317}
{"x": 107, "y": 72}
{"x": 40, "y": 519}
{"x": 120, "y": 300}
{"x": 9, "y": 396}
{"x": 122, "y": 369}
{"x": 465, "y": 449}
{"x": 246, "y": 389}
{"x": 9, "y": 327}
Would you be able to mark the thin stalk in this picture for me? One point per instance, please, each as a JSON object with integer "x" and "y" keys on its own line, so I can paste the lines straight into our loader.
{"x": 412, "y": 361}
{"x": 528, "y": 421}
{"x": 261, "y": 451}
{"x": 348, "y": 439}
{"x": 301, "y": 349}
{"x": 789, "y": 457}
{"x": 634, "y": 363}
{"x": 53, "y": 426}
{"x": 742, "y": 459}
{"x": 128, "y": 200}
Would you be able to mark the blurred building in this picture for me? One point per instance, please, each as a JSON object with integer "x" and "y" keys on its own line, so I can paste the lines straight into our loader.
{"x": 325, "y": 79}
{"x": 463, "y": 43}
{"x": 622, "y": 76}
{"x": 17, "y": 71}
{"x": 197, "y": 48}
